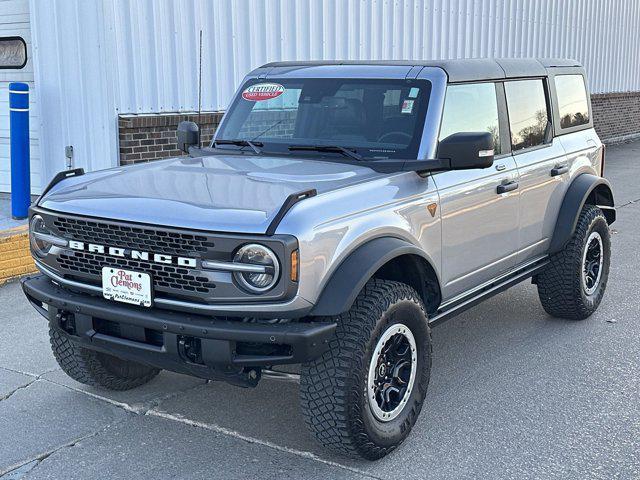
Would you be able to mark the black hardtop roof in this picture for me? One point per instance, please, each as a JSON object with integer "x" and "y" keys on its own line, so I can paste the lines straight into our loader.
{"x": 458, "y": 70}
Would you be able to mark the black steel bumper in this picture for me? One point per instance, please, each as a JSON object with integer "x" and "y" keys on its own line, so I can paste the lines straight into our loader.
{"x": 203, "y": 346}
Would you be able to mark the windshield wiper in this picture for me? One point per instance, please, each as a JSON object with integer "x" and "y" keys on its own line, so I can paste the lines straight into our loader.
{"x": 241, "y": 143}
{"x": 328, "y": 148}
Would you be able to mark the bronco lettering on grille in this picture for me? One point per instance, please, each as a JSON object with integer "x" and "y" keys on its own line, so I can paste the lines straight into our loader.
{"x": 133, "y": 254}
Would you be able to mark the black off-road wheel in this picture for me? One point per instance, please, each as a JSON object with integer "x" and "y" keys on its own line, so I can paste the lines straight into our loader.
{"x": 573, "y": 285}
{"x": 98, "y": 369}
{"x": 363, "y": 396}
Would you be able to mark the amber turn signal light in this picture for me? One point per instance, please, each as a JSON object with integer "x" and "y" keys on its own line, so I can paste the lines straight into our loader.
{"x": 295, "y": 264}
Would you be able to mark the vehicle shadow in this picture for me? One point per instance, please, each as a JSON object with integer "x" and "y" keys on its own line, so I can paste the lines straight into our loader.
{"x": 466, "y": 349}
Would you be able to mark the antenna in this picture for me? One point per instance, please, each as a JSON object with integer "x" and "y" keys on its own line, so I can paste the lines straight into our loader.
{"x": 200, "y": 95}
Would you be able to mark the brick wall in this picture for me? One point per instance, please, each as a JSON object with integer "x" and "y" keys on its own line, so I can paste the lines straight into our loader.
{"x": 15, "y": 258}
{"x": 153, "y": 136}
{"x": 616, "y": 116}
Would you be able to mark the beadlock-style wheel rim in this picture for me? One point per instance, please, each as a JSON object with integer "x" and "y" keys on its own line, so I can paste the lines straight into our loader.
{"x": 392, "y": 372}
{"x": 592, "y": 260}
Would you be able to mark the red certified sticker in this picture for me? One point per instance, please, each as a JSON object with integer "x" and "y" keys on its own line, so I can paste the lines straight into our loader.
{"x": 262, "y": 91}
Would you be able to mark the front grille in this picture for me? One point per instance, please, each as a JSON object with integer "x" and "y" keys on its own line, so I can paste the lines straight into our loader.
{"x": 165, "y": 277}
{"x": 138, "y": 238}
{"x": 170, "y": 281}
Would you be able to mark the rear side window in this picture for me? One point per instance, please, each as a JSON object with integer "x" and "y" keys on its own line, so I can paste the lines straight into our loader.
{"x": 528, "y": 113}
{"x": 572, "y": 100}
{"x": 471, "y": 107}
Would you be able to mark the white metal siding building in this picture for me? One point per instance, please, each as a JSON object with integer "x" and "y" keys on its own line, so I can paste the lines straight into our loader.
{"x": 14, "y": 21}
{"x": 97, "y": 59}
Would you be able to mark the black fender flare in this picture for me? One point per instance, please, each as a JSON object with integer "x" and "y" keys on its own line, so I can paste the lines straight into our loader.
{"x": 586, "y": 187}
{"x": 356, "y": 269}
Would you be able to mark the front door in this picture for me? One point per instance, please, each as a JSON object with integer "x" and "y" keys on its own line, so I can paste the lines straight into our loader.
{"x": 479, "y": 208}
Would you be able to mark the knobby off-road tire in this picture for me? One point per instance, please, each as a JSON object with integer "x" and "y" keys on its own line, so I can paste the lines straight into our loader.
{"x": 564, "y": 287}
{"x": 334, "y": 389}
{"x": 98, "y": 369}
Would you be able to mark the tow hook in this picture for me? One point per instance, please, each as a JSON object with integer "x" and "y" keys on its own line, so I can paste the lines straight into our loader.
{"x": 248, "y": 377}
{"x": 190, "y": 349}
{"x": 66, "y": 321}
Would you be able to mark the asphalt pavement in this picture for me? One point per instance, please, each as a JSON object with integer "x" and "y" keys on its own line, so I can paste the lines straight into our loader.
{"x": 514, "y": 394}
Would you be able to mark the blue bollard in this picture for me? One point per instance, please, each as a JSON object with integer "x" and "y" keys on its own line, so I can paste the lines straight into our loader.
{"x": 19, "y": 133}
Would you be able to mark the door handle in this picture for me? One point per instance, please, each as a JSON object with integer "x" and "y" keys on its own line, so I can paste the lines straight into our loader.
{"x": 507, "y": 187}
{"x": 559, "y": 170}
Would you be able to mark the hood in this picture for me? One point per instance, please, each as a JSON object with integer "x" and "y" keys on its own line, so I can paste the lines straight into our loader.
{"x": 225, "y": 193}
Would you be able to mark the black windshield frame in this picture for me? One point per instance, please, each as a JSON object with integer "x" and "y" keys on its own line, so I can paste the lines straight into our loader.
{"x": 240, "y": 109}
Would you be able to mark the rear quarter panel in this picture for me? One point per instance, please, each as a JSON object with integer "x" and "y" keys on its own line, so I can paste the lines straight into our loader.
{"x": 584, "y": 152}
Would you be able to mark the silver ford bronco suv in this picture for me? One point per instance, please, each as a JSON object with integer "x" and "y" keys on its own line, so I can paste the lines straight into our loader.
{"x": 341, "y": 211}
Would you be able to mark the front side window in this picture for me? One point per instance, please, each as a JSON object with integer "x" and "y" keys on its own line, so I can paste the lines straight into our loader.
{"x": 374, "y": 118}
{"x": 471, "y": 107}
{"x": 572, "y": 100}
{"x": 13, "y": 52}
{"x": 528, "y": 114}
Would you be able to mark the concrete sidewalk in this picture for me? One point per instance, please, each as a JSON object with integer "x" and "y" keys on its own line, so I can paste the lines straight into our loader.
{"x": 514, "y": 394}
{"x": 6, "y": 222}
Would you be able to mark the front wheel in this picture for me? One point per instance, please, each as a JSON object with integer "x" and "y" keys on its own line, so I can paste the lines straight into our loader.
{"x": 363, "y": 396}
{"x": 573, "y": 284}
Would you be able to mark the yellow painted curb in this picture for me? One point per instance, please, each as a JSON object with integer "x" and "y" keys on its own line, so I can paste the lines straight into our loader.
{"x": 15, "y": 258}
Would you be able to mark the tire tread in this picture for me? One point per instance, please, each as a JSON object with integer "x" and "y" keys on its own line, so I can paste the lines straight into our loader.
{"x": 328, "y": 387}
{"x": 559, "y": 285}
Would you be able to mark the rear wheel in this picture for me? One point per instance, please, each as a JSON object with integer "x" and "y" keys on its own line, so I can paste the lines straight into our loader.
{"x": 98, "y": 369}
{"x": 573, "y": 284}
{"x": 363, "y": 396}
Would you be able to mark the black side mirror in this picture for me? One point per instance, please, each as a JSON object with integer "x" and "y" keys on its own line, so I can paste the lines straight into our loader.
{"x": 188, "y": 135}
{"x": 466, "y": 150}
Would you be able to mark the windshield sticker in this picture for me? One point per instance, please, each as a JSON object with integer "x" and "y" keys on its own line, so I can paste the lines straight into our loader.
{"x": 407, "y": 106}
{"x": 413, "y": 93}
{"x": 262, "y": 91}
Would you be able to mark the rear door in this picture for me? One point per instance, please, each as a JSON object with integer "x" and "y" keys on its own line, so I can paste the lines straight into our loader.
{"x": 541, "y": 161}
{"x": 479, "y": 208}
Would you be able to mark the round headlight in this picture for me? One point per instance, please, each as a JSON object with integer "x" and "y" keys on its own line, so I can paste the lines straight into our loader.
{"x": 262, "y": 270}
{"x": 37, "y": 236}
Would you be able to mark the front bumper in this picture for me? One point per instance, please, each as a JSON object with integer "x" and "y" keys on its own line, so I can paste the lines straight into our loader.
{"x": 206, "y": 347}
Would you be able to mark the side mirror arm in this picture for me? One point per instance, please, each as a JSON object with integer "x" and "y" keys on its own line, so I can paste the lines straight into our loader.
{"x": 427, "y": 166}
{"x": 399, "y": 165}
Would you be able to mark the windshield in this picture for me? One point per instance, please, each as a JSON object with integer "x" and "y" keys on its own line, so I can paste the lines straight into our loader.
{"x": 371, "y": 118}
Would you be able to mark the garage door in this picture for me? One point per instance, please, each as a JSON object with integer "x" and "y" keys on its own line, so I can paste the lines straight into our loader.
{"x": 14, "y": 22}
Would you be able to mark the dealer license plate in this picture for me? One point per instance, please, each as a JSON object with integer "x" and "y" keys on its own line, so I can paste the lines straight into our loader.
{"x": 126, "y": 286}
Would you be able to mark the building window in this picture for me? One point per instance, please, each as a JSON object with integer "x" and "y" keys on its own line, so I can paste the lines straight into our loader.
{"x": 572, "y": 100}
{"x": 471, "y": 107}
{"x": 13, "y": 52}
{"x": 528, "y": 114}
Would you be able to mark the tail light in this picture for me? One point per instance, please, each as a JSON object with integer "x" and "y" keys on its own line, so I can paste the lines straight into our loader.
{"x": 604, "y": 151}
